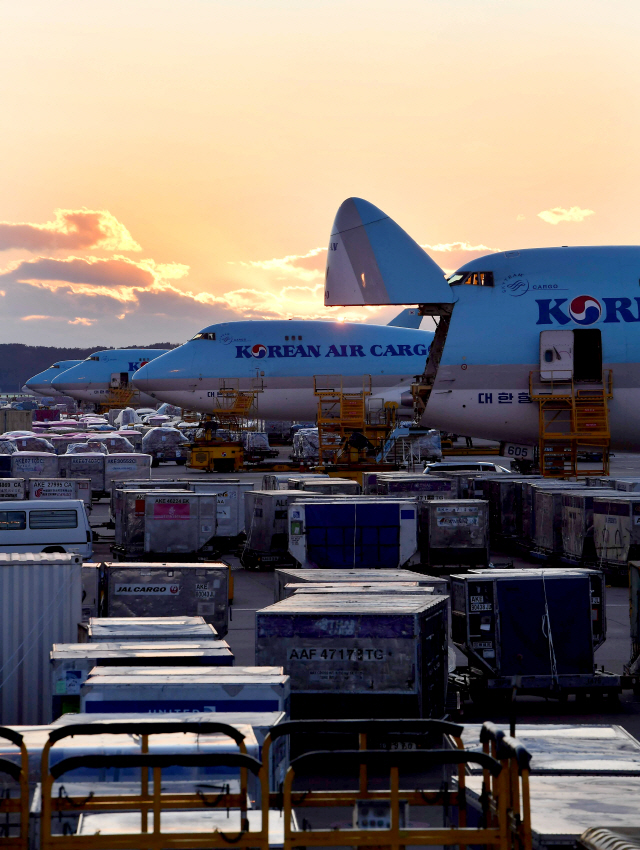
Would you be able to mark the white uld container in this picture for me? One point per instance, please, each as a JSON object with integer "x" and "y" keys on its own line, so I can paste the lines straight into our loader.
{"x": 181, "y": 523}
{"x": 120, "y": 629}
{"x": 34, "y": 465}
{"x": 266, "y": 521}
{"x": 230, "y": 501}
{"x": 292, "y": 575}
{"x": 454, "y": 531}
{"x": 163, "y": 590}
{"x": 409, "y": 588}
{"x": 364, "y": 532}
{"x": 328, "y": 486}
{"x": 224, "y": 690}
{"x": 61, "y": 488}
{"x": 616, "y": 528}
{"x": 40, "y": 604}
{"x": 71, "y": 663}
{"x": 280, "y": 480}
{"x": 89, "y": 465}
{"x": 12, "y": 488}
{"x": 628, "y": 485}
{"x": 125, "y": 465}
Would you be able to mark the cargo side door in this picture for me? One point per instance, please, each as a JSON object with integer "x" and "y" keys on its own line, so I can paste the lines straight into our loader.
{"x": 556, "y": 355}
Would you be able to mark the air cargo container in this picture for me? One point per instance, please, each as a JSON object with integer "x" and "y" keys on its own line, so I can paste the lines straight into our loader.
{"x": 280, "y": 480}
{"x": 120, "y": 629}
{"x": 577, "y": 525}
{"x": 230, "y": 498}
{"x": 164, "y": 522}
{"x": 229, "y": 689}
{"x": 541, "y": 624}
{"x": 366, "y": 532}
{"x": 634, "y": 616}
{"x": 455, "y": 531}
{"x": 91, "y": 602}
{"x": 125, "y": 466}
{"x": 504, "y": 494}
{"x": 529, "y": 488}
{"x": 266, "y": 523}
{"x": 12, "y": 488}
{"x": 358, "y": 656}
{"x": 165, "y": 590}
{"x": 284, "y": 576}
{"x": 144, "y": 484}
{"x": 430, "y": 585}
{"x": 90, "y": 465}
{"x": 422, "y": 486}
{"x": 327, "y": 487}
{"x": 71, "y": 663}
{"x": 616, "y": 528}
{"x": 40, "y": 604}
{"x": 628, "y": 485}
{"x": 29, "y": 465}
{"x": 61, "y": 488}
{"x": 179, "y": 524}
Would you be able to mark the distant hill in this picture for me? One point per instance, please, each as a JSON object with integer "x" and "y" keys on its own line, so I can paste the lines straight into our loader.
{"x": 20, "y": 362}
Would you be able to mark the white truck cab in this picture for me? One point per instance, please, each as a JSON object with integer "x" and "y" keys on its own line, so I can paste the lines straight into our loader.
{"x": 45, "y": 525}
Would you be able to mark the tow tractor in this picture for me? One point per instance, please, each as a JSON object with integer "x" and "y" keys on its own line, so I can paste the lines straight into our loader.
{"x": 212, "y": 451}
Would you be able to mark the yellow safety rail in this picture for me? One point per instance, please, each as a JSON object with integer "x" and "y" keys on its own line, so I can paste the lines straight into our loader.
{"x": 15, "y": 823}
{"x": 515, "y": 760}
{"x": 419, "y": 731}
{"x": 149, "y": 803}
{"x": 573, "y": 420}
{"x": 495, "y": 830}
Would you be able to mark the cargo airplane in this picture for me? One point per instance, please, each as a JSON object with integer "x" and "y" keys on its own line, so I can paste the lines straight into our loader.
{"x": 284, "y": 356}
{"x": 95, "y": 378}
{"x": 566, "y": 319}
{"x": 41, "y": 384}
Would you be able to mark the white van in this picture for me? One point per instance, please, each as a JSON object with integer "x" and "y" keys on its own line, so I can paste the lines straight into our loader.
{"x": 45, "y": 525}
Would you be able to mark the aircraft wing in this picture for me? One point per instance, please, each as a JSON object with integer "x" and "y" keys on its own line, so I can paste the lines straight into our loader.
{"x": 371, "y": 260}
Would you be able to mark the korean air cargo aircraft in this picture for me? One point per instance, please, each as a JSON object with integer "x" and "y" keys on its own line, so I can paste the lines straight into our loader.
{"x": 94, "y": 378}
{"x": 285, "y": 356}
{"x": 566, "y": 319}
{"x": 41, "y": 383}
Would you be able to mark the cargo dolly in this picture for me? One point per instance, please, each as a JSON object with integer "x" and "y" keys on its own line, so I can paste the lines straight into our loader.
{"x": 14, "y": 808}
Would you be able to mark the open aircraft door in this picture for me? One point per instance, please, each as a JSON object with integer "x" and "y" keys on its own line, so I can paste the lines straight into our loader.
{"x": 556, "y": 355}
{"x": 119, "y": 380}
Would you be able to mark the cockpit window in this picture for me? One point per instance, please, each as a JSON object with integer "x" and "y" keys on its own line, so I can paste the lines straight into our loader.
{"x": 97, "y": 359}
{"x": 204, "y": 335}
{"x": 472, "y": 278}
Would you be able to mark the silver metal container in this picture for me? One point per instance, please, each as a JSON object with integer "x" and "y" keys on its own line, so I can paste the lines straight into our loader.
{"x": 425, "y": 486}
{"x": 120, "y": 629}
{"x": 363, "y": 532}
{"x": 292, "y": 575}
{"x": 40, "y": 604}
{"x": 577, "y": 525}
{"x": 61, "y": 488}
{"x": 616, "y": 528}
{"x": 230, "y": 498}
{"x": 71, "y": 663}
{"x": 129, "y": 517}
{"x": 455, "y": 531}
{"x": 430, "y": 585}
{"x": 228, "y": 689}
{"x": 90, "y": 465}
{"x": 358, "y": 656}
{"x": 280, "y": 480}
{"x": 144, "y": 484}
{"x": 12, "y": 488}
{"x": 34, "y": 465}
{"x": 327, "y": 487}
{"x": 165, "y": 590}
{"x": 547, "y": 516}
{"x": 90, "y": 591}
{"x": 527, "y": 511}
{"x": 266, "y": 523}
{"x": 124, "y": 466}
{"x": 179, "y": 524}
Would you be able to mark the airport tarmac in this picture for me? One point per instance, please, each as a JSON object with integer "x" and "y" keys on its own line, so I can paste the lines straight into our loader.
{"x": 254, "y": 590}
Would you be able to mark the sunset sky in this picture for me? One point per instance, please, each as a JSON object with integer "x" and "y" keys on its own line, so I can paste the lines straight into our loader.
{"x": 167, "y": 165}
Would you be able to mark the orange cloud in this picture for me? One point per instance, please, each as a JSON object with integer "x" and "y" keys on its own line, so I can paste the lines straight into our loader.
{"x": 558, "y": 214}
{"x": 71, "y": 230}
{"x": 307, "y": 267}
{"x": 81, "y": 321}
{"x": 452, "y": 255}
{"x": 35, "y": 318}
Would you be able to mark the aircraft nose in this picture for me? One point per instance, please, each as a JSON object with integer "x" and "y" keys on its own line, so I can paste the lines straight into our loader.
{"x": 141, "y": 379}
